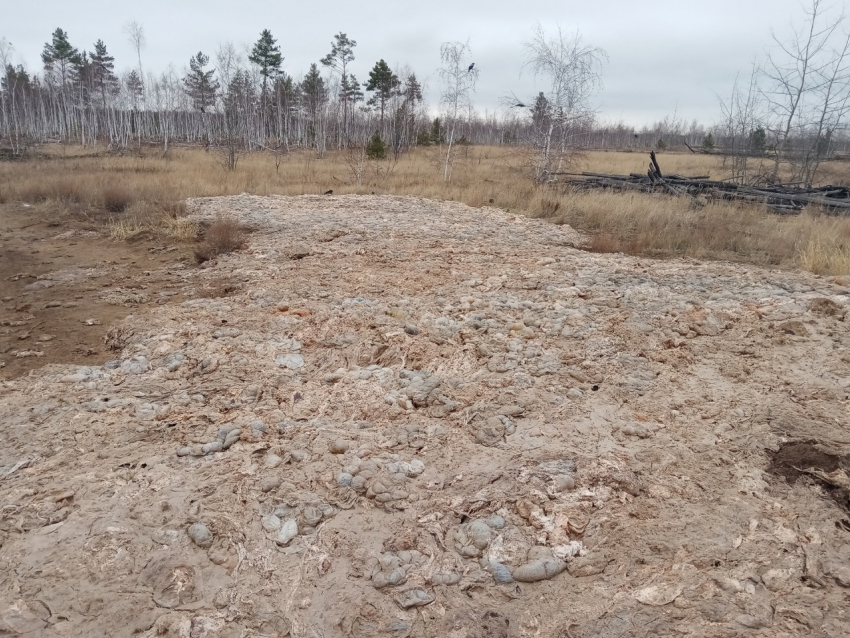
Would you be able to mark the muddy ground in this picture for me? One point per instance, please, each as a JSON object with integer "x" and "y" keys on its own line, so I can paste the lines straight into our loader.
{"x": 63, "y": 283}
{"x": 399, "y": 417}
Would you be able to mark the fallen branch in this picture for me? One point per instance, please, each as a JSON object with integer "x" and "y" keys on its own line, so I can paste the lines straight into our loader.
{"x": 778, "y": 198}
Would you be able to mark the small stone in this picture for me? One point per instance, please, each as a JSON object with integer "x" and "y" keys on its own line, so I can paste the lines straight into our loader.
{"x": 212, "y": 446}
{"x": 231, "y": 438}
{"x": 752, "y": 622}
{"x": 540, "y": 569}
{"x": 298, "y": 455}
{"x": 574, "y": 393}
{"x": 312, "y": 515}
{"x": 777, "y": 579}
{"x": 291, "y": 361}
{"x": 288, "y": 531}
{"x": 344, "y": 479}
{"x": 838, "y": 571}
{"x": 414, "y": 598}
{"x": 200, "y": 535}
{"x": 270, "y": 483}
{"x": 352, "y": 468}
{"x": 174, "y": 361}
{"x": 501, "y": 573}
{"x": 271, "y": 523}
{"x": 272, "y": 460}
{"x": 442, "y": 578}
{"x": 135, "y": 365}
{"x": 411, "y": 329}
{"x": 635, "y": 429}
{"x": 339, "y": 446}
{"x": 564, "y": 482}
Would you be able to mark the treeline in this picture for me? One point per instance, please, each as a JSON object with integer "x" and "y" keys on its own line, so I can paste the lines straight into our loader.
{"x": 223, "y": 100}
{"x": 235, "y": 104}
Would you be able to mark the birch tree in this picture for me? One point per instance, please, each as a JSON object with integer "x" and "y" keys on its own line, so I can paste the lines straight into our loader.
{"x": 458, "y": 77}
{"x": 573, "y": 72}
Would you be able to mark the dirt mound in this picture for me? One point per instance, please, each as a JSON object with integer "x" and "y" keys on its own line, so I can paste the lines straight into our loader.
{"x": 414, "y": 418}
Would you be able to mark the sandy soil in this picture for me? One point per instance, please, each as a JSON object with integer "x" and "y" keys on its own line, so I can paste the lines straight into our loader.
{"x": 414, "y": 418}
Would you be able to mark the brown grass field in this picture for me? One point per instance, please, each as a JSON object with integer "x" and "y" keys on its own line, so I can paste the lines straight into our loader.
{"x": 136, "y": 193}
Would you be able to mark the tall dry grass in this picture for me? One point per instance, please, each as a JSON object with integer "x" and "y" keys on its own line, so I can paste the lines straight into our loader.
{"x": 148, "y": 188}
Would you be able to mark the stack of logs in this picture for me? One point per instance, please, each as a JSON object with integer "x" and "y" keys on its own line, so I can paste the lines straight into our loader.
{"x": 777, "y": 198}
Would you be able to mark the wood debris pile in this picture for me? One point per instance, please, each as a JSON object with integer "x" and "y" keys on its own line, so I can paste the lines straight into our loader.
{"x": 778, "y": 198}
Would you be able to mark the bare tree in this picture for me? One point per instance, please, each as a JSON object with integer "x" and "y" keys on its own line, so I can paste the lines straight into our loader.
{"x": 833, "y": 98}
{"x": 458, "y": 77}
{"x": 136, "y": 35}
{"x": 573, "y": 72}
{"x": 805, "y": 81}
{"x": 742, "y": 132}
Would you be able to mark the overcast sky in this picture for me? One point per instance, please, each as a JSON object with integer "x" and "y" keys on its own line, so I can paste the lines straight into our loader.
{"x": 664, "y": 55}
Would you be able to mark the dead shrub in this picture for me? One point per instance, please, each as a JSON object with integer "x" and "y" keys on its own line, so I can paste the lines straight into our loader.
{"x": 173, "y": 209}
{"x": 223, "y": 236}
{"x": 116, "y": 199}
{"x": 603, "y": 243}
{"x": 548, "y": 207}
{"x": 607, "y": 243}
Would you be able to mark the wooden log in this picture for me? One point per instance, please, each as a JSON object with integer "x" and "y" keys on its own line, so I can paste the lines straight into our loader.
{"x": 655, "y": 164}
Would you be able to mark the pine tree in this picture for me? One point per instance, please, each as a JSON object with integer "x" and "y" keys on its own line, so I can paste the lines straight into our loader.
{"x": 135, "y": 88}
{"x": 81, "y": 69}
{"x": 314, "y": 90}
{"x": 15, "y": 81}
{"x": 201, "y": 85}
{"x": 103, "y": 71}
{"x": 376, "y": 148}
{"x": 60, "y": 56}
{"x": 438, "y": 132}
{"x": 384, "y": 83}
{"x": 266, "y": 55}
{"x": 342, "y": 52}
{"x": 412, "y": 89}
{"x": 541, "y": 113}
{"x": 758, "y": 141}
{"x": 350, "y": 89}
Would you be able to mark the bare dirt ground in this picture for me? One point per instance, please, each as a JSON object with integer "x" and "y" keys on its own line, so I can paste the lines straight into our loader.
{"x": 414, "y": 418}
{"x": 62, "y": 285}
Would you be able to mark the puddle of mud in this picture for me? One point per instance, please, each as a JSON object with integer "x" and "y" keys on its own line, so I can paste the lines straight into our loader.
{"x": 805, "y": 458}
{"x": 793, "y": 458}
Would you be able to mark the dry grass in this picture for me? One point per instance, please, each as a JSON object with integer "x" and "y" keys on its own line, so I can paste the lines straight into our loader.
{"x": 825, "y": 257}
{"x": 150, "y": 219}
{"x": 654, "y": 225}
